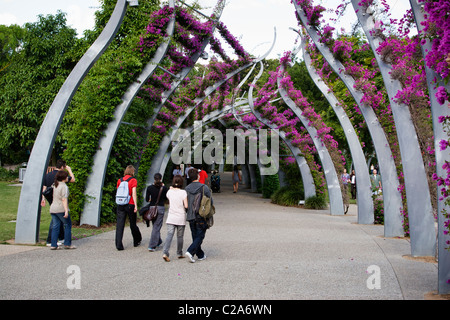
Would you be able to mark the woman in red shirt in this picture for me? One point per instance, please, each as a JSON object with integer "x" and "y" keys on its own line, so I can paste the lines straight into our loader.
{"x": 129, "y": 210}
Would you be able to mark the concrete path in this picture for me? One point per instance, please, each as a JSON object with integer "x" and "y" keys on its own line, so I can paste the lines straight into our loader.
{"x": 256, "y": 250}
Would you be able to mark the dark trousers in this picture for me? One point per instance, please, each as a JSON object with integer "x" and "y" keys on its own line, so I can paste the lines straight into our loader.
{"x": 353, "y": 190}
{"x": 122, "y": 213}
{"x": 198, "y": 231}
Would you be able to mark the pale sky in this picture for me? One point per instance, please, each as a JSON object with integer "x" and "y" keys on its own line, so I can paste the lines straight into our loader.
{"x": 251, "y": 21}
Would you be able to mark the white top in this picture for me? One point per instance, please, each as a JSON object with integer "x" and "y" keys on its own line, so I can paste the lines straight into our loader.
{"x": 177, "y": 212}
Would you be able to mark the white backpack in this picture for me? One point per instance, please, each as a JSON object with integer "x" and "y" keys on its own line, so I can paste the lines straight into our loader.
{"x": 123, "y": 194}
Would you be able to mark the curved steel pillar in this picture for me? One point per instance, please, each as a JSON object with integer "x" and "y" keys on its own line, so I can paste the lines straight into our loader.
{"x": 183, "y": 74}
{"x": 363, "y": 185}
{"x": 308, "y": 181}
{"x": 165, "y": 143}
{"x": 159, "y": 157}
{"x": 420, "y": 210}
{"x": 94, "y": 185}
{"x": 391, "y": 197}
{"x": 28, "y": 214}
{"x": 334, "y": 188}
{"x": 441, "y": 156}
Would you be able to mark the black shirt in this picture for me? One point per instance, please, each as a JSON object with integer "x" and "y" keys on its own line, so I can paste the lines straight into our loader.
{"x": 152, "y": 193}
{"x": 49, "y": 178}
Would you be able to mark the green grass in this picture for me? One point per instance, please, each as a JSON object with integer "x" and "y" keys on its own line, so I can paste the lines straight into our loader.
{"x": 9, "y": 202}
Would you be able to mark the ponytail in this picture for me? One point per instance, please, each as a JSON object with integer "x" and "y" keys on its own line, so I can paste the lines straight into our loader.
{"x": 61, "y": 175}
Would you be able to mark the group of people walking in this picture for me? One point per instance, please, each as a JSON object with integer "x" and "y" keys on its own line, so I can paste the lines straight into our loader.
{"x": 179, "y": 214}
{"x": 180, "y": 211}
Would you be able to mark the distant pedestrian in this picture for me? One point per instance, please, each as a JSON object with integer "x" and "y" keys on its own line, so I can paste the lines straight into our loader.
{"x": 59, "y": 210}
{"x": 353, "y": 184}
{"x": 129, "y": 209}
{"x": 186, "y": 175}
{"x": 151, "y": 196}
{"x": 375, "y": 180}
{"x": 177, "y": 171}
{"x": 202, "y": 175}
{"x": 176, "y": 217}
{"x": 345, "y": 177}
{"x": 236, "y": 176}
{"x": 197, "y": 224}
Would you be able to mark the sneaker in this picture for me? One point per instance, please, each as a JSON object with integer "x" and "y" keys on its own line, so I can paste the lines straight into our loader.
{"x": 59, "y": 243}
{"x": 151, "y": 249}
{"x": 202, "y": 258}
{"x": 191, "y": 258}
{"x": 166, "y": 258}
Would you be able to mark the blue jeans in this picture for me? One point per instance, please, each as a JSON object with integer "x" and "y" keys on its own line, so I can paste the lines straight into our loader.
{"x": 57, "y": 220}
{"x": 198, "y": 231}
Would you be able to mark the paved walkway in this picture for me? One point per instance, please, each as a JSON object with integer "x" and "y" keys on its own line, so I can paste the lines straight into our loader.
{"x": 256, "y": 250}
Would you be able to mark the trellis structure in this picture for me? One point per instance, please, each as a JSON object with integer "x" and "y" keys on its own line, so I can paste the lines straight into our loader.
{"x": 423, "y": 236}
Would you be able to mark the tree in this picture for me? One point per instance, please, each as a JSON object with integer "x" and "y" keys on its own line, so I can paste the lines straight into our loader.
{"x": 11, "y": 39}
{"x": 31, "y": 80}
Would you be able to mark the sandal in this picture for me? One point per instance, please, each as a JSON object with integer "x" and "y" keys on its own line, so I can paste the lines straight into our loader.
{"x": 70, "y": 247}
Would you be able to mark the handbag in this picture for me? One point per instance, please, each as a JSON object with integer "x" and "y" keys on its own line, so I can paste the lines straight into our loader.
{"x": 48, "y": 194}
{"x": 152, "y": 212}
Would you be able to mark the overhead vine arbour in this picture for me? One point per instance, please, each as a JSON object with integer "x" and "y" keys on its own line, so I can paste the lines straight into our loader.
{"x": 94, "y": 104}
{"x": 28, "y": 213}
{"x": 370, "y": 101}
{"x": 431, "y": 22}
{"x": 364, "y": 193}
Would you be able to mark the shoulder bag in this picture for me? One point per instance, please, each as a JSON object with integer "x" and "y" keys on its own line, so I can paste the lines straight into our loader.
{"x": 152, "y": 212}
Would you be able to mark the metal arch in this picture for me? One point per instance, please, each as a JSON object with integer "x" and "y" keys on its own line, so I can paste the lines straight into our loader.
{"x": 307, "y": 178}
{"x": 28, "y": 214}
{"x": 305, "y": 171}
{"x": 164, "y": 145}
{"x": 94, "y": 188}
{"x": 420, "y": 210}
{"x": 334, "y": 188}
{"x": 363, "y": 185}
{"x": 441, "y": 156}
{"x": 308, "y": 181}
{"x": 183, "y": 74}
{"x": 391, "y": 197}
{"x": 94, "y": 185}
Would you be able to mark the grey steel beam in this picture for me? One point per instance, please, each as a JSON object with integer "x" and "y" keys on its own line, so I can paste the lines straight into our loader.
{"x": 363, "y": 185}
{"x": 307, "y": 178}
{"x": 391, "y": 197}
{"x": 329, "y": 170}
{"x": 184, "y": 72}
{"x": 28, "y": 214}
{"x": 437, "y": 111}
{"x": 159, "y": 157}
{"x": 94, "y": 185}
{"x": 420, "y": 210}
